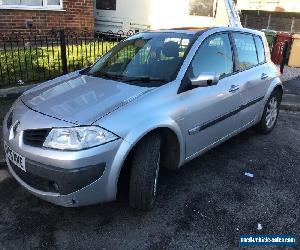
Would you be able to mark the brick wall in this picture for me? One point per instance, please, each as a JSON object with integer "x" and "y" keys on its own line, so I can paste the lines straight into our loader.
{"x": 76, "y": 15}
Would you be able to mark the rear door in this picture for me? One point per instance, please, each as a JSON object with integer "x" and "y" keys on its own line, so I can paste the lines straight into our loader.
{"x": 253, "y": 71}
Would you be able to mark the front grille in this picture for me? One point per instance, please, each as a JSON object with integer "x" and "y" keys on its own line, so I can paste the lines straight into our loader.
{"x": 9, "y": 120}
{"x": 34, "y": 181}
{"x": 35, "y": 137}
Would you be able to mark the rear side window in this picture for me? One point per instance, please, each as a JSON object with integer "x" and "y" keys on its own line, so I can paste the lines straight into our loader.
{"x": 260, "y": 49}
{"x": 214, "y": 56}
{"x": 246, "y": 50}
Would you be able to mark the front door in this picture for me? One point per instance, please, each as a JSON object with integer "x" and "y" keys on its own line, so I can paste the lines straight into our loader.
{"x": 212, "y": 111}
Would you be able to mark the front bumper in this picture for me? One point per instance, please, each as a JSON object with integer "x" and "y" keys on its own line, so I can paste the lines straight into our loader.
{"x": 58, "y": 180}
{"x": 65, "y": 178}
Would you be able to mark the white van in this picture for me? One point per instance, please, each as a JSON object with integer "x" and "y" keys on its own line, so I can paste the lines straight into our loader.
{"x": 138, "y": 15}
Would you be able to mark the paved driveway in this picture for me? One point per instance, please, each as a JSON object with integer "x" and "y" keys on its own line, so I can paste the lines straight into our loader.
{"x": 207, "y": 204}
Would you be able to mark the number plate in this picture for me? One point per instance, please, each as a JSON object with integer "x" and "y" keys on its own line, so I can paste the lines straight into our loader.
{"x": 14, "y": 157}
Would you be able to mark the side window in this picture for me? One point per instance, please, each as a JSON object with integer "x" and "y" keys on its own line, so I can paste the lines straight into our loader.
{"x": 106, "y": 4}
{"x": 214, "y": 56}
{"x": 246, "y": 50}
{"x": 260, "y": 49}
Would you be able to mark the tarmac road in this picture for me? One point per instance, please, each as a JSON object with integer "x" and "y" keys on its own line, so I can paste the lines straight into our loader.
{"x": 291, "y": 98}
{"x": 207, "y": 204}
{"x": 292, "y": 87}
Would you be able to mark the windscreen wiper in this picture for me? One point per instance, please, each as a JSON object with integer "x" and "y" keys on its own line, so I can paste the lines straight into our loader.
{"x": 144, "y": 79}
{"x": 107, "y": 76}
{"x": 85, "y": 71}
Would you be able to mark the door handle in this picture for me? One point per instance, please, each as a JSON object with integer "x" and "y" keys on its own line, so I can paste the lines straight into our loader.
{"x": 234, "y": 88}
{"x": 264, "y": 76}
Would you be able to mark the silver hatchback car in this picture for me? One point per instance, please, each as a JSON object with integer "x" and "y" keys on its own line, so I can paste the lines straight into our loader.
{"x": 157, "y": 99}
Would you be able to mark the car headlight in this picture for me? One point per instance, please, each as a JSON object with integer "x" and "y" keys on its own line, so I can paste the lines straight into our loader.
{"x": 78, "y": 138}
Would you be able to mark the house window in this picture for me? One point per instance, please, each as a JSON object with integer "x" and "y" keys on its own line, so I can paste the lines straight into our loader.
{"x": 106, "y": 4}
{"x": 201, "y": 8}
{"x": 31, "y": 4}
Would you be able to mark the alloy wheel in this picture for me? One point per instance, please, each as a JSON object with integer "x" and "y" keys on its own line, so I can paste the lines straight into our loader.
{"x": 272, "y": 112}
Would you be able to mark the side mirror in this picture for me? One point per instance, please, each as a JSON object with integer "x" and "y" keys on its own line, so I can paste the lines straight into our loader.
{"x": 205, "y": 79}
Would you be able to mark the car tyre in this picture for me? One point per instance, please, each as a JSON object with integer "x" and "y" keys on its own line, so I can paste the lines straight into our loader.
{"x": 144, "y": 172}
{"x": 270, "y": 114}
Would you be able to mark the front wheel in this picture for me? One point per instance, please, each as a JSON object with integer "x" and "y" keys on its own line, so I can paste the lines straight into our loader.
{"x": 144, "y": 173}
{"x": 270, "y": 115}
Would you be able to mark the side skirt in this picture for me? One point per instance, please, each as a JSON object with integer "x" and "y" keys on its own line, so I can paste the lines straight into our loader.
{"x": 220, "y": 141}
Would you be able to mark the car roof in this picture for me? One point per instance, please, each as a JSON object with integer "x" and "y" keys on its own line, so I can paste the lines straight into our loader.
{"x": 186, "y": 30}
{"x": 194, "y": 30}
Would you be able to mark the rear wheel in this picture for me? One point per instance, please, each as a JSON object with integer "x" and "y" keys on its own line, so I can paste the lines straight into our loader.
{"x": 144, "y": 173}
{"x": 270, "y": 115}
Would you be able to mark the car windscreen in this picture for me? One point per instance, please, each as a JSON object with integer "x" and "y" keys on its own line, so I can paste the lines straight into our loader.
{"x": 146, "y": 59}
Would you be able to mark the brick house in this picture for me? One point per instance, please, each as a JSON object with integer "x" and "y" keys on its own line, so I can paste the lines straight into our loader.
{"x": 31, "y": 16}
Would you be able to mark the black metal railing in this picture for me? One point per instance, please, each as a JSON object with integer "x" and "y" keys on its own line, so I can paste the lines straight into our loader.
{"x": 35, "y": 58}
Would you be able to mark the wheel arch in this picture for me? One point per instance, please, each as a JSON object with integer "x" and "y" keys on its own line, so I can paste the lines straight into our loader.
{"x": 166, "y": 126}
{"x": 279, "y": 89}
{"x": 171, "y": 153}
{"x": 276, "y": 85}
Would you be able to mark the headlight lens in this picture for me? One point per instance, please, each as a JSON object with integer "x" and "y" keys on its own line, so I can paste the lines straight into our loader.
{"x": 77, "y": 138}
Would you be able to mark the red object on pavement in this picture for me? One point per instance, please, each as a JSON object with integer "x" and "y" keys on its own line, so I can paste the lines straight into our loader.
{"x": 280, "y": 40}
